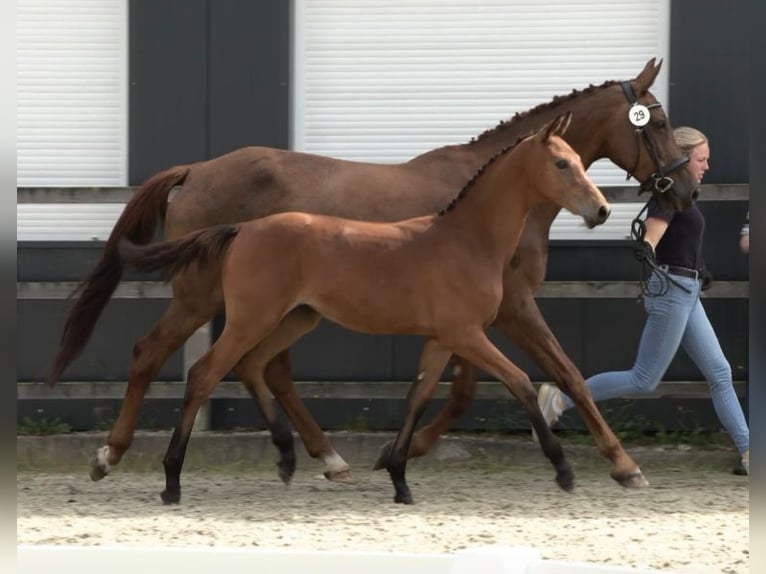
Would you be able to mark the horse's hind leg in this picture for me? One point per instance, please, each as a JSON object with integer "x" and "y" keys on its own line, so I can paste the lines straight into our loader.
{"x": 149, "y": 354}
{"x": 433, "y": 359}
{"x": 202, "y": 378}
{"x": 522, "y": 321}
{"x": 481, "y": 352}
{"x": 281, "y": 433}
{"x": 272, "y": 352}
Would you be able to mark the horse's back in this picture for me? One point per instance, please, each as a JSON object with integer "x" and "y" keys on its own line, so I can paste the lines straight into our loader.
{"x": 254, "y": 182}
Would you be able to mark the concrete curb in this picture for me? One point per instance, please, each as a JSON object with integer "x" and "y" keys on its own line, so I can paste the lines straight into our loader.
{"x": 72, "y": 452}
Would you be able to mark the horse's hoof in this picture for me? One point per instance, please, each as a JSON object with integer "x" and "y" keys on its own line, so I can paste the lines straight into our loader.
{"x": 635, "y": 479}
{"x": 97, "y": 472}
{"x": 170, "y": 497}
{"x": 403, "y": 498}
{"x": 99, "y": 466}
{"x": 565, "y": 479}
{"x": 385, "y": 452}
{"x": 343, "y": 476}
{"x": 286, "y": 470}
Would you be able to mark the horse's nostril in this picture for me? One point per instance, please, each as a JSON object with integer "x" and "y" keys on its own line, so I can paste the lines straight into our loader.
{"x": 603, "y": 213}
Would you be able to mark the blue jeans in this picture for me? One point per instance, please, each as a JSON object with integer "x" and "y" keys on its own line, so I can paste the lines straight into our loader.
{"x": 677, "y": 318}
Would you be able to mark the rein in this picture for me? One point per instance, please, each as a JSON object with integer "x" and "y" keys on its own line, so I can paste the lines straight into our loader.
{"x": 649, "y": 264}
{"x": 659, "y": 181}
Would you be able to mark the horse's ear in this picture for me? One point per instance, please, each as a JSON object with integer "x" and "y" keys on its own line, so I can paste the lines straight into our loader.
{"x": 566, "y": 119}
{"x": 548, "y": 129}
{"x": 646, "y": 78}
{"x": 556, "y": 127}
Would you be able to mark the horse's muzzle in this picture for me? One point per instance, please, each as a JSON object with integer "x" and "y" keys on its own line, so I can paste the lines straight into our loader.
{"x": 601, "y": 215}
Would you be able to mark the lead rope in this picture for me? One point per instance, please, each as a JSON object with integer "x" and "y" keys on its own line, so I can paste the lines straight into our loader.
{"x": 649, "y": 264}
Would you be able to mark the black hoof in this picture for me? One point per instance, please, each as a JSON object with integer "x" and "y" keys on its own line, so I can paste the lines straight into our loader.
{"x": 403, "y": 498}
{"x": 286, "y": 470}
{"x": 385, "y": 451}
{"x": 170, "y": 497}
{"x": 565, "y": 479}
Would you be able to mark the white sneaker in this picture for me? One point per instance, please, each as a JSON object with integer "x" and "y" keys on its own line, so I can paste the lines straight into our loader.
{"x": 549, "y": 401}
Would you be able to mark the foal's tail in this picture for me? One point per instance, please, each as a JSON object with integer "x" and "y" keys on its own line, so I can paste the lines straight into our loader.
{"x": 138, "y": 223}
{"x": 199, "y": 247}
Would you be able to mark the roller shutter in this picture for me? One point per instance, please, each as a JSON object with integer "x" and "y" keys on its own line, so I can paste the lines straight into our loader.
{"x": 71, "y": 92}
{"x": 385, "y": 81}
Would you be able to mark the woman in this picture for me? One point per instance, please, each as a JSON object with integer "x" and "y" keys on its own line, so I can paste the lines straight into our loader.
{"x": 675, "y": 315}
{"x": 744, "y": 235}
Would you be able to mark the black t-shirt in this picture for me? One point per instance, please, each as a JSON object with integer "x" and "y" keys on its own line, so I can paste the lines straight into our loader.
{"x": 681, "y": 245}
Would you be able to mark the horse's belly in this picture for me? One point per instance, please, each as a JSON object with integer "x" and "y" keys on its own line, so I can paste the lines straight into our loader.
{"x": 375, "y": 317}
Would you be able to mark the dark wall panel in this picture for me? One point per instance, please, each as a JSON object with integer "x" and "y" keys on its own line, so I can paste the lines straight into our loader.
{"x": 168, "y": 79}
{"x": 108, "y": 354}
{"x": 709, "y": 67}
{"x": 249, "y": 74}
{"x": 206, "y": 77}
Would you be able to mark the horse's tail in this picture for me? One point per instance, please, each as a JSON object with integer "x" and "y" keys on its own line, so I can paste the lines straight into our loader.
{"x": 138, "y": 223}
{"x": 199, "y": 247}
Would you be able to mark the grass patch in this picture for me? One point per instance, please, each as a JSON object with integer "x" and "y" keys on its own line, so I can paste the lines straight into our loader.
{"x": 43, "y": 427}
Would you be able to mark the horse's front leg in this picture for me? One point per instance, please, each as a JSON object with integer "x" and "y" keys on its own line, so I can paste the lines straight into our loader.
{"x": 461, "y": 393}
{"x": 433, "y": 359}
{"x": 479, "y": 350}
{"x": 519, "y": 317}
{"x": 174, "y": 327}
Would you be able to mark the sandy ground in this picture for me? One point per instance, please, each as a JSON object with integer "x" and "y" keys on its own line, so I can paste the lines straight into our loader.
{"x": 693, "y": 517}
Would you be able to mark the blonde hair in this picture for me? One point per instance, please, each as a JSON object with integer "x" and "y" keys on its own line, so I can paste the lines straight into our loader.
{"x": 688, "y": 138}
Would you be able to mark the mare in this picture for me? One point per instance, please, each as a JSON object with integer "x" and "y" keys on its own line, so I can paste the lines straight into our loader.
{"x": 255, "y": 182}
{"x": 403, "y": 278}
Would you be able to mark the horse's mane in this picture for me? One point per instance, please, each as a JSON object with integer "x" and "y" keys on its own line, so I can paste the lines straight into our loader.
{"x": 557, "y": 100}
{"x": 518, "y": 116}
{"x": 460, "y": 194}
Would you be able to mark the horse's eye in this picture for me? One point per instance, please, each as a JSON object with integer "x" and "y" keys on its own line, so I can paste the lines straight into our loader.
{"x": 562, "y": 164}
{"x": 660, "y": 125}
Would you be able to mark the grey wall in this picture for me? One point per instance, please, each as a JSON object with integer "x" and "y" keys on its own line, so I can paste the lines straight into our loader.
{"x": 206, "y": 77}
{"x": 709, "y": 68}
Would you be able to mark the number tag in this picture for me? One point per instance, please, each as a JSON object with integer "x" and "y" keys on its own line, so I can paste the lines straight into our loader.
{"x": 638, "y": 115}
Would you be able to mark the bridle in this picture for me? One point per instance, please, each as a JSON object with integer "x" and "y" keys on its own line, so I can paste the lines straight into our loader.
{"x": 660, "y": 181}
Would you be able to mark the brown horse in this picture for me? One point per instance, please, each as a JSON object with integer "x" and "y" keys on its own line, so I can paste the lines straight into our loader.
{"x": 403, "y": 278}
{"x": 255, "y": 182}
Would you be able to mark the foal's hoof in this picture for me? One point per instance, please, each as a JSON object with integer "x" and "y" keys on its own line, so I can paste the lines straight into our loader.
{"x": 339, "y": 476}
{"x": 403, "y": 498}
{"x": 169, "y": 497}
{"x": 634, "y": 479}
{"x": 286, "y": 470}
{"x": 385, "y": 452}
{"x": 565, "y": 478}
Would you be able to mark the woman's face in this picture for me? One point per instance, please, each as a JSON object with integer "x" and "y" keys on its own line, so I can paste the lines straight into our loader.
{"x": 698, "y": 160}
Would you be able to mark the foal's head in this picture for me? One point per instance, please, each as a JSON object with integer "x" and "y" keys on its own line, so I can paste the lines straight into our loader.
{"x": 558, "y": 174}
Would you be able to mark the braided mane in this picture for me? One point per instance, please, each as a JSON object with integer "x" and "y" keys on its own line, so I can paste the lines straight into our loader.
{"x": 544, "y": 106}
{"x": 477, "y": 174}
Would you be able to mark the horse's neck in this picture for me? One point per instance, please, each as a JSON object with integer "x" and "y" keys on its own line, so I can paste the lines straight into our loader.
{"x": 583, "y": 134}
{"x": 493, "y": 209}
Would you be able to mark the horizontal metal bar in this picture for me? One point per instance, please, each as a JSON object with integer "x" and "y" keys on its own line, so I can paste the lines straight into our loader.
{"x": 319, "y": 390}
{"x": 64, "y": 289}
{"x": 549, "y": 290}
{"x": 614, "y": 193}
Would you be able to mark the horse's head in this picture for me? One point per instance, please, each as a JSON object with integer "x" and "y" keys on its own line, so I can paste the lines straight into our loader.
{"x": 639, "y": 138}
{"x": 559, "y": 174}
